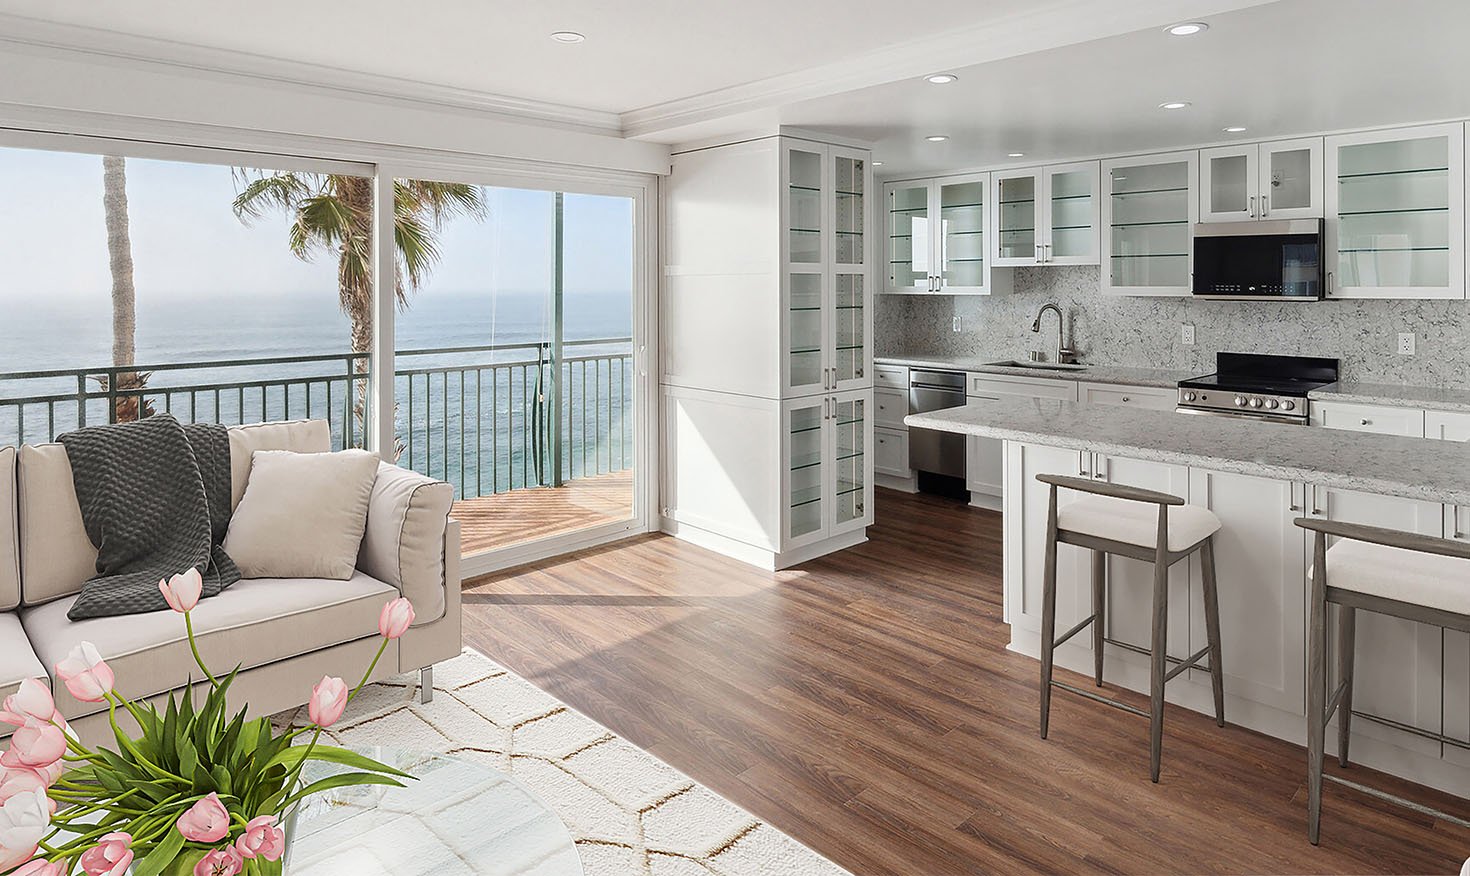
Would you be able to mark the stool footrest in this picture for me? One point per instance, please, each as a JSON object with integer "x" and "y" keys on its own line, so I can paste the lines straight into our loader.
{"x": 1075, "y": 630}
{"x": 1336, "y": 701}
{"x": 1394, "y": 798}
{"x": 1186, "y": 664}
{"x": 1102, "y": 699}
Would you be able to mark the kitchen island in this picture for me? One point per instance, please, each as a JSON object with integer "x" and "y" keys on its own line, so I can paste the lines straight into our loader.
{"x": 1257, "y": 477}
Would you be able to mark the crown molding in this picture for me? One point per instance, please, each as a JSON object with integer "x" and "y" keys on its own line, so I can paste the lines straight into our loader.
{"x": 152, "y": 53}
{"x": 1024, "y": 32}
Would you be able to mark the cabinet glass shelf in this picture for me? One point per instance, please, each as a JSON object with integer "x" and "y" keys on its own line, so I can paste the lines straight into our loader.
{"x": 1389, "y": 212}
{"x": 1018, "y": 201}
{"x": 808, "y": 495}
{"x": 908, "y": 210}
{"x": 1148, "y": 192}
{"x": 960, "y": 206}
{"x": 1398, "y": 249}
{"x": 1153, "y": 255}
{"x": 1367, "y": 174}
{"x": 812, "y": 460}
{"x": 1071, "y": 197}
{"x": 1087, "y": 227}
{"x": 1147, "y": 224}
{"x": 1016, "y": 230}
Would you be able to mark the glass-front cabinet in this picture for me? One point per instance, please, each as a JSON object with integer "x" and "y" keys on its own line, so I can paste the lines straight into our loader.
{"x": 1396, "y": 213}
{"x": 961, "y": 236}
{"x": 937, "y": 236}
{"x": 1148, "y": 213}
{"x": 909, "y": 250}
{"x": 827, "y": 487}
{"x": 828, "y": 318}
{"x": 1046, "y": 215}
{"x": 1277, "y": 180}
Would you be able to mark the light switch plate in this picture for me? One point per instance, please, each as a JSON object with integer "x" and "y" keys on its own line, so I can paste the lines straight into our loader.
{"x": 1406, "y": 343}
{"x": 958, "y": 324}
{"x": 1186, "y": 333}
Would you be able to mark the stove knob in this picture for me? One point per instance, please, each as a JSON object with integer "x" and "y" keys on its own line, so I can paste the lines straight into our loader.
{"x": 1287, "y": 405}
{"x": 1240, "y": 401}
{"x": 1255, "y": 402}
{"x": 1189, "y": 396}
{"x": 1272, "y": 404}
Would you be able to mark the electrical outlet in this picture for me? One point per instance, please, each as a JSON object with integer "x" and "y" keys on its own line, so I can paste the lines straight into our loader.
{"x": 958, "y": 324}
{"x": 1406, "y": 343}
{"x": 1186, "y": 333}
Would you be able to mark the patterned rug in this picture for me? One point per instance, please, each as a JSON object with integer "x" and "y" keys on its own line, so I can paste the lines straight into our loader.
{"x": 629, "y": 812}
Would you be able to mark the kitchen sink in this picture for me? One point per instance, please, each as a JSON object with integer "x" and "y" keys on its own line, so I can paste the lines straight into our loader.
{"x": 1040, "y": 366}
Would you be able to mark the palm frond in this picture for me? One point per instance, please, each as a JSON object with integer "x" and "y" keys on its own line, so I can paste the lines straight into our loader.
{"x": 417, "y": 251}
{"x": 276, "y": 191}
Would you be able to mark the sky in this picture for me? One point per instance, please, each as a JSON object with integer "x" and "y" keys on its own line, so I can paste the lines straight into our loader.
{"x": 188, "y": 244}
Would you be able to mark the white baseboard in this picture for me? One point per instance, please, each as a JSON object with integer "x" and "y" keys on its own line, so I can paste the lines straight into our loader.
{"x": 894, "y": 482}
{"x": 985, "y": 500}
{"x": 761, "y": 558}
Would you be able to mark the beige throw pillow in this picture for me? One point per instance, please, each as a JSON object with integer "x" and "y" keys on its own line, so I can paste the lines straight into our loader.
{"x": 302, "y": 514}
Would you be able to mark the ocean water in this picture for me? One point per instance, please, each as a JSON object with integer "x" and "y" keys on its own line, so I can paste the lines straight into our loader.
{"x": 469, "y": 418}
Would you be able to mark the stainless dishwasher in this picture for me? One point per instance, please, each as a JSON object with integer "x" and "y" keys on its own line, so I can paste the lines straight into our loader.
{"x": 941, "y": 453}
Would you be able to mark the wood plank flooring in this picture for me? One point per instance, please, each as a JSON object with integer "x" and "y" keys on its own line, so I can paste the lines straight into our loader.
{"x": 505, "y": 519}
{"x": 865, "y": 704}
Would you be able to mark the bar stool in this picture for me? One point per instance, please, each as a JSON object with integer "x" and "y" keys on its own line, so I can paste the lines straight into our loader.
{"x": 1122, "y": 520}
{"x": 1401, "y": 574}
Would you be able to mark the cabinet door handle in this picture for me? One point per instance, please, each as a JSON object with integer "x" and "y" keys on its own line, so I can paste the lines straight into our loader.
{"x": 1291, "y": 504}
{"x": 1046, "y": 251}
{"x": 1125, "y": 398}
{"x": 1328, "y": 290}
{"x": 1082, "y": 471}
{"x": 1252, "y": 208}
{"x": 1367, "y": 422}
{"x": 1265, "y": 205}
{"x": 1316, "y": 501}
{"x": 1099, "y": 468}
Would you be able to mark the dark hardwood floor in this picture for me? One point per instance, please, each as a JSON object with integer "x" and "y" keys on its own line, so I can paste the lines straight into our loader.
{"x": 865, "y": 704}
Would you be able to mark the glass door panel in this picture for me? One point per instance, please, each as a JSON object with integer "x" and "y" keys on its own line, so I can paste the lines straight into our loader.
{"x": 1072, "y": 215}
{"x": 1228, "y": 183}
{"x": 849, "y": 187}
{"x": 1393, "y": 207}
{"x": 804, "y": 324}
{"x": 1015, "y": 220}
{"x": 909, "y": 243}
{"x": 1288, "y": 184}
{"x": 1149, "y": 219}
{"x": 962, "y": 245}
{"x": 805, "y": 442}
{"x": 804, "y": 206}
{"x": 850, "y": 484}
{"x": 850, "y": 318}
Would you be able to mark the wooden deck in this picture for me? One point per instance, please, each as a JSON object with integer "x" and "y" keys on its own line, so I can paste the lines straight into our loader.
{"x": 519, "y": 516}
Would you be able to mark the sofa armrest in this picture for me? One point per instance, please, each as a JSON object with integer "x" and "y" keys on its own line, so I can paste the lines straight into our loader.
{"x": 404, "y": 542}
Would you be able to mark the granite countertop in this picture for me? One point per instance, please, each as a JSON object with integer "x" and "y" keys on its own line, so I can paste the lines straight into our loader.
{"x": 1430, "y": 397}
{"x": 1092, "y": 374}
{"x": 1415, "y": 468}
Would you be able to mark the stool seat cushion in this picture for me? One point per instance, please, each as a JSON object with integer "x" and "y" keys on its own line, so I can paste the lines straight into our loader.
{"x": 1395, "y": 573}
{"x": 1137, "y": 522}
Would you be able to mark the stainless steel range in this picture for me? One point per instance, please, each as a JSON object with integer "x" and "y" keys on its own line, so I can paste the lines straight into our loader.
{"x": 1257, "y": 385}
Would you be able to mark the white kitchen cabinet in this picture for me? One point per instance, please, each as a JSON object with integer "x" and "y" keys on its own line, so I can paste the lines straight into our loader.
{"x": 1149, "y": 208}
{"x": 1276, "y": 180}
{"x": 938, "y": 239}
{"x": 1395, "y": 205}
{"x": 993, "y": 386}
{"x": 1261, "y": 571}
{"x": 1024, "y": 555}
{"x": 1399, "y": 666}
{"x": 891, "y": 452}
{"x": 1454, "y": 426}
{"x": 1447, "y": 425}
{"x": 894, "y": 377}
{"x": 826, "y": 486}
{"x": 889, "y": 409}
{"x": 1045, "y": 215}
{"x": 985, "y": 457}
{"x": 1381, "y": 419}
{"x": 1154, "y": 398}
{"x": 984, "y": 470}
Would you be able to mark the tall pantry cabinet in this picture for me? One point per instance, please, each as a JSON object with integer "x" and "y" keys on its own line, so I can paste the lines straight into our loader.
{"x": 767, "y": 326}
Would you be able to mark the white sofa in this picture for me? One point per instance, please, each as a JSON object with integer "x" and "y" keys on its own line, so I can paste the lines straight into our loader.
{"x": 284, "y": 633}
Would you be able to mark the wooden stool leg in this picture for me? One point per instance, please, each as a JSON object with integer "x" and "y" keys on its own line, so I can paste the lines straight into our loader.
{"x": 1316, "y": 689}
{"x": 1099, "y": 612}
{"x": 1048, "y": 610}
{"x": 1346, "y": 633}
{"x": 1159, "y": 664}
{"x": 1212, "y": 626}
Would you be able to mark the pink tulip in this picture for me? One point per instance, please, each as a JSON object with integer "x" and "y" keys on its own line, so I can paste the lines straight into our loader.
{"x": 262, "y": 839}
{"x": 33, "y": 699}
{"x": 38, "y": 867}
{"x": 220, "y": 862}
{"x": 87, "y": 677}
{"x": 182, "y": 590}
{"x": 22, "y": 780}
{"x": 35, "y": 745}
{"x": 206, "y": 822}
{"x": 110, "y": 857}
{"x": 24, "y": 820}
{"x": 328, "y": 701}
{"x": 396, "y": 618}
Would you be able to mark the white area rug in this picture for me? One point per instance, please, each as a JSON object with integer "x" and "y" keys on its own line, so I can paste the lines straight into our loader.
{"x": 629, "y": 812}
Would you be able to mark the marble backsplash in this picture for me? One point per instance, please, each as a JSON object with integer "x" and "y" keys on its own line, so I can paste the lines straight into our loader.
{"x": 1144, "y": 332}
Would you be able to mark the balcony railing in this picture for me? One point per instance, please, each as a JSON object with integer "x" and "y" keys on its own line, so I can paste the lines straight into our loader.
{"x": 488, "y": 419}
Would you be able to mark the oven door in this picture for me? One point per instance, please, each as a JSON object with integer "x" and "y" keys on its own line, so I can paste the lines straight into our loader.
{"x": 1279, "y": 260}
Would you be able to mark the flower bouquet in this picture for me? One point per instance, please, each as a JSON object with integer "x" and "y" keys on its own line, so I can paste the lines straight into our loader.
{"x": 201, "y": 791}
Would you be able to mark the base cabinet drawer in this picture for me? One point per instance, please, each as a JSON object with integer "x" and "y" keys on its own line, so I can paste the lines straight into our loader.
{"x": 889, "y": 409}
{"x": 1369, "y": 418}
{"x": 891, "y": 452}
{"x": 1151, "y": 397}
{"x": 1009, "y": 386}
{"x": 1447, "y": 425}
{"x": 891, "y": 377}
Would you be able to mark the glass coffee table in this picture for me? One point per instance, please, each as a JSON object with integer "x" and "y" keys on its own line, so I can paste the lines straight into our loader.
{"x": 459, "y": 817}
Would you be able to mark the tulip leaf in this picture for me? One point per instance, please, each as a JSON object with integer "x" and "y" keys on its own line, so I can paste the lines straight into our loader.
{"x": 341, "y": 780}
{"x": 162, "y": 855}
{"x": 332, "y": 754}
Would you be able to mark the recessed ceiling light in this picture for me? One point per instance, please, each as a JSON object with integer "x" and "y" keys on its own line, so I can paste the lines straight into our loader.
{"x": 1235, "y": 129}
{"x": 936, "y": 138}
{"x": 1174, "y": 104}
{"x": 568, "y": 36}
{"x": 1188, "y": 28}
{"x": 941, "y": 78}
{"x": 877, "y": 164}
{"x": 1015, "y": 155}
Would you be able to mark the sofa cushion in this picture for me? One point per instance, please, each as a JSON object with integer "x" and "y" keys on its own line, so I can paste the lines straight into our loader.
{"x": 17, "y": 659}
{"x": 56, "y": 555}
{"x": 255, "y": 622}
{"x": 299, "y": 436}
{"x": 9, "y": 533}
{"x": 404, "y": 542}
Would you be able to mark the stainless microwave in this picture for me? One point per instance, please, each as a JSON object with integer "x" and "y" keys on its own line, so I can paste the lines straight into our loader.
{"x": 1271, "y": 260}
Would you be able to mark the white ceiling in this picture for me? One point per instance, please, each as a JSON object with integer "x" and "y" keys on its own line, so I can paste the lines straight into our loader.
{"x": 638, "y": 52}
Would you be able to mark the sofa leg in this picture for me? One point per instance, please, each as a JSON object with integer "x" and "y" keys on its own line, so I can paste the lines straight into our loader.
{"x": 426, "y": 685}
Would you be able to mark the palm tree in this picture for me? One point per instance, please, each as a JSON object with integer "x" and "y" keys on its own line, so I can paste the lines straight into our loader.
{"x": 334, "y": 213}
{"x": 124, "y": 293}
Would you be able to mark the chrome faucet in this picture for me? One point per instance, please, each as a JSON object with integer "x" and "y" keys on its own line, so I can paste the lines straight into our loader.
{"x": 1065, "y": 355}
